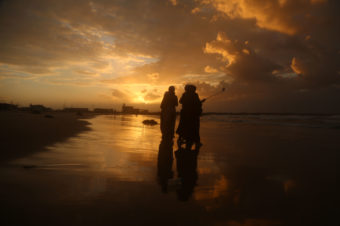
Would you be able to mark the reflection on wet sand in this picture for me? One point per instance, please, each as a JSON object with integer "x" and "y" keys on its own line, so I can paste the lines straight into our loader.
{"x": 118, "y": 172}
{"x": 164, "y": 163}
{"x": 186, "y": 164}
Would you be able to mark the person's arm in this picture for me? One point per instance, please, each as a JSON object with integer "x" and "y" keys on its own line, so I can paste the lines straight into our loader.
{"x": 199, "y": 104}
{"x": 200, "y": 108}
{"x": 181, "y": 100}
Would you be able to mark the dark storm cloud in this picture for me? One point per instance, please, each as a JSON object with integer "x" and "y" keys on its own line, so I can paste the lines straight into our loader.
{"x": 263, "y": 62}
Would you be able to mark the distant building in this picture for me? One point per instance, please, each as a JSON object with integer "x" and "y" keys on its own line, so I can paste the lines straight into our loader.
{"x": 7, "y": 107}
{"x": 77, "y": 110}
{"x": 141, "y": 111}
{"x": 38, "y": 108}
{"x": 129, "y": 110}
{"x": 103, "y": 111}
{"x": 24, "y": 109}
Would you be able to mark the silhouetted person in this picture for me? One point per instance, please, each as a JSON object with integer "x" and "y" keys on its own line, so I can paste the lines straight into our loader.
{"x": 168, "y": 113}
{"x": 164, "y": 164}
{"x": 186, "y": 161}
{"x": 189, "y": 124}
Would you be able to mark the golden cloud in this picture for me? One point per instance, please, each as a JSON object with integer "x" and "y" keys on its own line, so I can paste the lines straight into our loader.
{"x": 296, "y": 66}
{"x": 209, "y": 69}
{"x": 223, "y": 46}
{"x": 153, "y": 76}
{"x": 273, "y": 15}
{"x": 230, "y": 50}
{"x": 173, "y": 2}
{"x": 257, "y": 10}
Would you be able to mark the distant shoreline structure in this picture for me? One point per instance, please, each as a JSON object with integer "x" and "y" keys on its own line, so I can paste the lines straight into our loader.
{"x": 129, "y": 110}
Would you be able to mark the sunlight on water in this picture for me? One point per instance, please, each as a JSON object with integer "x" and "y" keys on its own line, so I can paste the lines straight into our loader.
{"x": 120, "y": 145}
{"x": 123, "y": 148}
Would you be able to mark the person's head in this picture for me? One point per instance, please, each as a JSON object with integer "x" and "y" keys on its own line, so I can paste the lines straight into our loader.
{"x": 171, "y": 89}
{"x": 193, "y": 88}
{"x": 190, "y": 88}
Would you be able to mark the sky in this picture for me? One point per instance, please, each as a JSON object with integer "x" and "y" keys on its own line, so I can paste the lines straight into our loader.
{"x": 269, "y": 55}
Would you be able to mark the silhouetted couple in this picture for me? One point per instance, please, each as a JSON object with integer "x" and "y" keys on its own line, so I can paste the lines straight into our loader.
{"x": 189, "y": 123}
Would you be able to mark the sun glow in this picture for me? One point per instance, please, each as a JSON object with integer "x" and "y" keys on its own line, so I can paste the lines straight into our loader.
{"x": 140, "y": 99}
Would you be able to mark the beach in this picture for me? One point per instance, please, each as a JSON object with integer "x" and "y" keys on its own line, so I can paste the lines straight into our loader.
{"x": 24, "y": 133}
{"x": 110, "y": 170}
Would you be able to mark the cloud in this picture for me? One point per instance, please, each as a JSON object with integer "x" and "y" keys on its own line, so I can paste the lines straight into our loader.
{"x": 153, "y": 76}
{"x": 173, "y": 2}
{"x": 85, "y": 72}
{"x": 235, "y": 56}
{"x": 209, "y": 69}
{"x": 266, "y": 52}
{"x": 118, "y": 94}
{"x": 276, "y": 15}
{"x": 151, "y": 96}
{"x": 221, "y": 47}
{"x": 296, "y": 66}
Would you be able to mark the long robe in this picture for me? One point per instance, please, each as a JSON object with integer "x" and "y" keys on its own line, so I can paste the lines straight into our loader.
{"x": 189, "y": 123}
{"x": 168, "y": 114}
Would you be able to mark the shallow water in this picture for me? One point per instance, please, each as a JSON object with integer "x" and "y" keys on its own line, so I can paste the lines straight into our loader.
{"x": 307, "y": 121}
{"x": 244, "y": 174}
{"x": 113, "y": 144}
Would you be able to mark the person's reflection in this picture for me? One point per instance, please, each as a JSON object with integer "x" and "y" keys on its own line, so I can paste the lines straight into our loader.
{"x": 186, "y": 161}
{"x": 164, "y": 166}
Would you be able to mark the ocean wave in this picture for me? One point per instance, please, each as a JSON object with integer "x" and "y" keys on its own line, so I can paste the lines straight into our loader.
{"x": 310, "y": 121}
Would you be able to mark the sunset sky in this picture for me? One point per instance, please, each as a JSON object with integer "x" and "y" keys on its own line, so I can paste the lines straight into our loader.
{"x": 270, "y": 55}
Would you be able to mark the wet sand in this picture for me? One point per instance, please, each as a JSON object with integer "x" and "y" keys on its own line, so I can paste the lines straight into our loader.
{"x": 117, "y": 173}
{"x": 24, "y": 133}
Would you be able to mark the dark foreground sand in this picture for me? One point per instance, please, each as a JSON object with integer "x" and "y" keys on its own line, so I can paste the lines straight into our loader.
{"x": 22, "y": 133}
